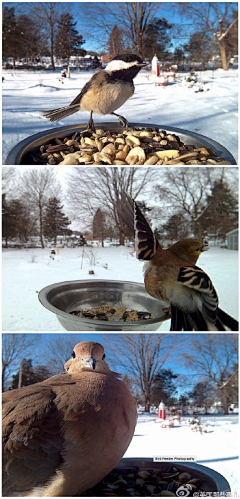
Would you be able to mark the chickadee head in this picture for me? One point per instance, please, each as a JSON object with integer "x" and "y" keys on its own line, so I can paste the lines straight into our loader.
{"x": 125, "y": 66}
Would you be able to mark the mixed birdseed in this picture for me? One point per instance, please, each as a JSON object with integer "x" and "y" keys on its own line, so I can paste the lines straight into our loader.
{"x": 109, "y": 313}
{"x": 135, "y": 146}
{"x": 152, "y": 482}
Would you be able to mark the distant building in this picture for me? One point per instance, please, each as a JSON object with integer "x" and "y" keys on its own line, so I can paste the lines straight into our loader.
{"x": 232, "y": 239}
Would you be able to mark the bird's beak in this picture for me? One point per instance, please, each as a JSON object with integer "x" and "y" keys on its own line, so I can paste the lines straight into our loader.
{"x": 90, "y": 362}
{"x": 205, "y": 248}
{"x": 142, "y": 64}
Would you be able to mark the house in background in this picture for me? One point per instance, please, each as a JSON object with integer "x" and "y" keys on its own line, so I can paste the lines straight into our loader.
{"x": 232, "y": 239}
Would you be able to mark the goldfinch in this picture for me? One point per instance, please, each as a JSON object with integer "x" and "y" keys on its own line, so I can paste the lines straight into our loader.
{"x": 172, "y": 275}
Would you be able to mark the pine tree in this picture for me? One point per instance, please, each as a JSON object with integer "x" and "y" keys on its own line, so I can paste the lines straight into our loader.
{"x": 54, "y": 221}
{"x": 221, "y": 213}
{"x": 68, "y": 42}
{"x": 115, "y": 42}
{"x": 99, "y": 226}
{"x": 10, "y": 35}
{"x": 158, "y": 40}
{"x": 17, "y": 221}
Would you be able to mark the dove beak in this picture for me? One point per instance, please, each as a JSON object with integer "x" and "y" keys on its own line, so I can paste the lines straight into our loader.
{"x": 90, "y": 362}
{"x": 205, "y": 248}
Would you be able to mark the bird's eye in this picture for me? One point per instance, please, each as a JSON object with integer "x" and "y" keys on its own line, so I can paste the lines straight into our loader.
{"x": 104, "y": 356}
{"x": 73, "y": 355}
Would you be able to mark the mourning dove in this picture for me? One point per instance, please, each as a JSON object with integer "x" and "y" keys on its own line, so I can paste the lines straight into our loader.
{"x": 172, "y": 275}
{"x": 63, "y": 435}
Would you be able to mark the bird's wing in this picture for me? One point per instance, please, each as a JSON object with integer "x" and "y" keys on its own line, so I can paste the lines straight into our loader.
{"x": 145, "y": 242}
{"x": 86, "y": 87}
{"x": 195, "y": 278}
{"x": 32, "y": 439}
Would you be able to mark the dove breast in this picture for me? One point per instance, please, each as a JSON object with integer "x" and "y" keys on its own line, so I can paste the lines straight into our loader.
{"x": 63, "y": 435}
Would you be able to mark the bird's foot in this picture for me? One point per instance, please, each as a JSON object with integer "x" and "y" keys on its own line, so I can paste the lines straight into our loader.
{"x": 166, "y": 310}
{"x": 123, "y": 122}
{"x": 91, "y": 127}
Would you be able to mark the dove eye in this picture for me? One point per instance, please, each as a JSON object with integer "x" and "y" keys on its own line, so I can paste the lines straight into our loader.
{"x": 104, "y": 356}
{"x": 73, "y": 355}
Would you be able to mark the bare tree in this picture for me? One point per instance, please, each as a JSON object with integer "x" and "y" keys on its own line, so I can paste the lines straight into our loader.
{"x": 92, "y": 188}
{"x": 133, "y": 18}
{"x": 15, "y": 346}
{"x": 57, "y": 350}
{"x": 36, "y": 186}
{"x": 218, "y": 18}
{"x": 48, "y": 14}
{"x": 186, "y": 189}
{"x": 8, "y": 179}
{"x": 141, "y": 356}
{"x": 215, "y": 356}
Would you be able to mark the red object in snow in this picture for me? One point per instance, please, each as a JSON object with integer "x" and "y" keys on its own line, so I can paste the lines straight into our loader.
{"x": 162, "y": 411}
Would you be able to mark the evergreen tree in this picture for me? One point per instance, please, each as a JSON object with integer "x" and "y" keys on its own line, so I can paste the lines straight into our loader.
{"x": 221, "y": 213}
{"x": 54, "y": 221}
{"x": 158, "y": 40}
{"x": 164, "y": 388}
{"x": 17, "y": 221}
{"x": 10, "y": 35}
{"x": 29, "y": 375}
{"x": 68, "y": 41}
{"x": 115, "y": 42}
{"x": 99, "y": 226}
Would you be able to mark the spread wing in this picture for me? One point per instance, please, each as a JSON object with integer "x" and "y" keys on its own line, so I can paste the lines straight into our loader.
{"x": 145, "y": 242}
{"x": 195, "y": 278}
{"x": 32, "y": 439}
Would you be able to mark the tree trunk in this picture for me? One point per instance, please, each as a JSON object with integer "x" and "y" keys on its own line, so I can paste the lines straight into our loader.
{"x": 41, "y": 227}
{"x": 147, "y": 402}
{"x": 122, "y": 237}
{"x": 225, "y": 402}
{"x": 223, "y": 56}
{"x": 52, "y": 48}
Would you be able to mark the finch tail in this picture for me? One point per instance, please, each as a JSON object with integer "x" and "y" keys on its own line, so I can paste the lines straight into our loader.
{"x": 227, "y": 320}
{"x": 62, "y": 112}
{"x": 187, "y": 321}
{"x": 146, "y": 243}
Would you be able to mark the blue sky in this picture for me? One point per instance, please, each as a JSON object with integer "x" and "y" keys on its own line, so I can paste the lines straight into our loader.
{"x": 168, "y": 10}
{"x": 174, "y": 362}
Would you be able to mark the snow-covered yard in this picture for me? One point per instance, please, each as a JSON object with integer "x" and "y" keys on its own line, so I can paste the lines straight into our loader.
{"x": 25, "y": 272}
{"x": 217, "y": 449}
{"x": 212, "y": 112}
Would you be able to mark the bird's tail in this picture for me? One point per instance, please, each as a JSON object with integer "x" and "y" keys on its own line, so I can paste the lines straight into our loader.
{"x": 187, "y": 321}
{"x": 62, "y": 112}
{"x": 194, "y": 321}
{"x": 227, "y": 320}
{"x": 146, "y": 243}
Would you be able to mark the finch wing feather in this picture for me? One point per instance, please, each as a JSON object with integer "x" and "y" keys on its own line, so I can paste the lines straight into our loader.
{"x": 145, "y": 242}
{"x": 197, "y": 279}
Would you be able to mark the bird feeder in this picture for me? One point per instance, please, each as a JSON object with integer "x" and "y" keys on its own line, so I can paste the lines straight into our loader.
{"x": 162, "y": 411}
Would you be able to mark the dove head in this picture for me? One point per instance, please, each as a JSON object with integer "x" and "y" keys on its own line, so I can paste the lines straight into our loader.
{"x": 88, "y": 356}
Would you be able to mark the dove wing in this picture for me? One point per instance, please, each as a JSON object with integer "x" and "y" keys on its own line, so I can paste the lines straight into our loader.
{"x": 32, "y": 439}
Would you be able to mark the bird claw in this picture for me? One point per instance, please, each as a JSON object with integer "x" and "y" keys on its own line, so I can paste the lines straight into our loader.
{"x": 123, "y": 122}
{"x": 166, "y": 310}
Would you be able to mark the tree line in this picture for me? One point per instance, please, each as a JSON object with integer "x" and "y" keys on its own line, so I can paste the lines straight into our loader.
{"x": 188, "y": 202}
{"x": 204, "y": 30}
{"x": 211, "y": 370}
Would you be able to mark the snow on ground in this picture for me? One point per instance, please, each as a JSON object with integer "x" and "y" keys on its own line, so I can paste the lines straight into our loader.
{"x": 25, "y": 272}
{"x": 212, "y": 113}
{"x": 218, "y": 449}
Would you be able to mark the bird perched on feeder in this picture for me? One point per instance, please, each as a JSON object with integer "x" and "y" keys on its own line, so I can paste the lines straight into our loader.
{"x": 63, "y": 435}
{"x": 105, "y": 92}
{"x": 172, "y": 275}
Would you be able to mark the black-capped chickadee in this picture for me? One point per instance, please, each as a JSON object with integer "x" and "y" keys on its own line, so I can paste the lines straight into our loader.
{"x": 105, "y": 92}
